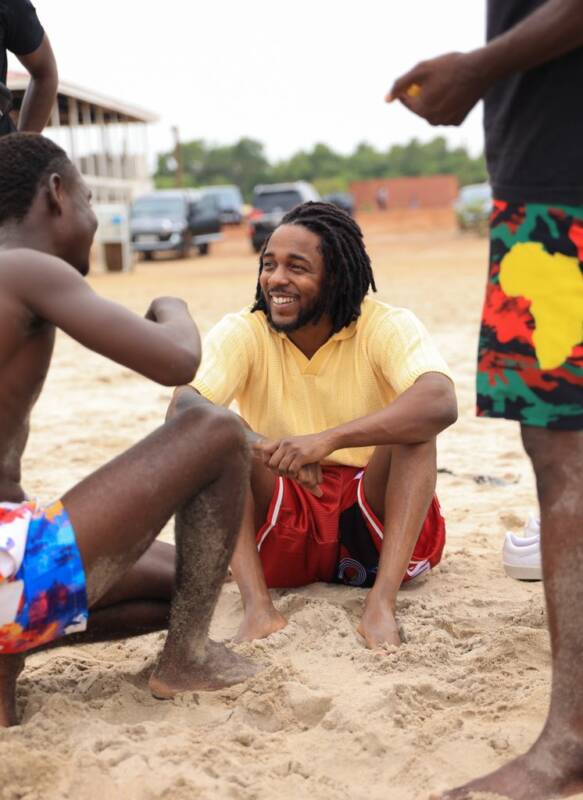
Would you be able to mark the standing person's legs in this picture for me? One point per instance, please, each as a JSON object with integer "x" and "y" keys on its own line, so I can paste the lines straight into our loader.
{"x": 530, "y": 369}
{"x": 196, "y": 465}
{"x": 553, "y": 767}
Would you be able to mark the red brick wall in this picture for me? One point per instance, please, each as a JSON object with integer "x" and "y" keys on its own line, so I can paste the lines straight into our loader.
{"x": 435, "y": 191}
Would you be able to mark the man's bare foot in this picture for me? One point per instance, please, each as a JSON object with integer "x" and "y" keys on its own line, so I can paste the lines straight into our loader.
{"x": 549, "y": 770}
{"x": 10, "y": 668}
{"x": 221, "y": 668}
{"x": 378, "y": 625}
{"x": 258, "y": 623}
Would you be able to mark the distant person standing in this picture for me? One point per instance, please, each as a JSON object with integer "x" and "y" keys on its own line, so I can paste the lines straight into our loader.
{"x": 382, "y": 198}
{"x": 22, "y": 34}
{"x": 530, "y": 360}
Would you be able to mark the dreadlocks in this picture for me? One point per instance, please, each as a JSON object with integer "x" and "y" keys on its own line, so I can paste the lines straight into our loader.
{"x": 348, "y": 275}
{"x": 26, "y": 161}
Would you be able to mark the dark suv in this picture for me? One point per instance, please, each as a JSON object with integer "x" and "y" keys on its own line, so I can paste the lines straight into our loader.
{"x": 175, "y": 220}
{"x": 271, "y": 202}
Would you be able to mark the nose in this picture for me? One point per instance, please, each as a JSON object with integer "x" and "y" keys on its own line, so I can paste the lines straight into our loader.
{"x": 278, "y": 277}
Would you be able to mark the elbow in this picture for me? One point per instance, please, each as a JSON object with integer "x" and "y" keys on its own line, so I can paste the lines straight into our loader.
{"x": 180, "y": 370}
{"x": 448, "y": 410}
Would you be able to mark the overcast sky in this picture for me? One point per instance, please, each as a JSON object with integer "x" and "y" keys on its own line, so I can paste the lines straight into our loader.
{"x": 289, "y": 74}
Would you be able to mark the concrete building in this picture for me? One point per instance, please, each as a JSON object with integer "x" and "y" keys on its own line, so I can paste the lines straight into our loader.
{"x": 107, "y": 139}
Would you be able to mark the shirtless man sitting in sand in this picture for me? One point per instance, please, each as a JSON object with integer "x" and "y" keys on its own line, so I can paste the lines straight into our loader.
{"x": 350, "y": 394}
{"x": 95, "y": 548}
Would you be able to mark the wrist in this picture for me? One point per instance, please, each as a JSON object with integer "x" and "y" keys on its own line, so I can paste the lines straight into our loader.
{"x": 331, "y": 439}
{"x": 483, "y": 67}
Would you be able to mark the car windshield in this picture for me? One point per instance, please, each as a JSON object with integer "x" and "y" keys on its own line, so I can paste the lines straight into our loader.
{"x": 277, "y": 201}
{"x": 170, "y": 207}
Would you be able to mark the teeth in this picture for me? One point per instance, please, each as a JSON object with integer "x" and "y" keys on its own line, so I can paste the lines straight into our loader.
{"x": 282, "y": 301}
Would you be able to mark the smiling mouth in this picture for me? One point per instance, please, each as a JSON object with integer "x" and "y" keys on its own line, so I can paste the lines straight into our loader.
{"x": 281, "y": 300}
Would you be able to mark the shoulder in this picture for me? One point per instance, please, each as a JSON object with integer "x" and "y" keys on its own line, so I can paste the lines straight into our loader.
{"x": 381, "y": 318}
{"x": 24, "y": 32}
{"x": 21, "y": 264}
{"x": 242, "y": 324}
{"x": 32, "y": 270}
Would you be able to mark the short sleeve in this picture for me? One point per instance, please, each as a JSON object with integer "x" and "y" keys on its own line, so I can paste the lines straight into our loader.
{"x": 24, "y": 33}
{"x": 227, "y": 357}
{"x": 402, "y": 350}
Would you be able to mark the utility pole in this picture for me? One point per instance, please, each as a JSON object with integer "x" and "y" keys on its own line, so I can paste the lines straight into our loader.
{"x": 179, "y": 180}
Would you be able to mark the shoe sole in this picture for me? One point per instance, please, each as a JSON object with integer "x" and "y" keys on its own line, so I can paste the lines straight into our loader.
{"x": 523, "y": 573}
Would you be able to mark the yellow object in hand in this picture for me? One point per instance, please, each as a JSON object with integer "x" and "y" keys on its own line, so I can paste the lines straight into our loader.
{"x": 414, "y": 90}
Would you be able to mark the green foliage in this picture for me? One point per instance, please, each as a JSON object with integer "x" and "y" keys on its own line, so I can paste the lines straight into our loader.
{"x": 245, "y": 164}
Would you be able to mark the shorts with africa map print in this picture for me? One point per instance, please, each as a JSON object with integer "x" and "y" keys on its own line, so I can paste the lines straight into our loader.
{"x": 530, "y": 356}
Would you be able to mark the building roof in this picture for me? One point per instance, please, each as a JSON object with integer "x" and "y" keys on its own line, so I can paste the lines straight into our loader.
{"x": 113, "y": 109}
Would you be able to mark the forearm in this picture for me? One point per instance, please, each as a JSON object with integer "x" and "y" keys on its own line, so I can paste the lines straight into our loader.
{"x": 418, "y": 415}
{"x": 551, "y": 31}
{"x": 38, "y": 103}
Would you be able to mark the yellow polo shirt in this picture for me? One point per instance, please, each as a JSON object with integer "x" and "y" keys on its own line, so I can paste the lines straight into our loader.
{"x": 281, "y": 393}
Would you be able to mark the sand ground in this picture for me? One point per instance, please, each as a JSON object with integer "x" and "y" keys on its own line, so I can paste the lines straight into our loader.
{"x": 326, "y": 719}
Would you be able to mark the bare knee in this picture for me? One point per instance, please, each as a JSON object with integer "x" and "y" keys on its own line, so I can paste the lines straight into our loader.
{"x": 216, "y": 425}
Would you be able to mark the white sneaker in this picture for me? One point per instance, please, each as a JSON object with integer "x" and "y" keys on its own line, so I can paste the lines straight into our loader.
{"x": 521, "y": 554}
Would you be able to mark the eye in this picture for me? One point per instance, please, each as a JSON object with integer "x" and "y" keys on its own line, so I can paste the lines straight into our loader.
{"x": 267, "y": 265}
{"x": 297, "y": 267}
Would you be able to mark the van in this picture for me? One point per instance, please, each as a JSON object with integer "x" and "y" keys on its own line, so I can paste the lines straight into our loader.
{"x": 230, "y": 202}
{"x": 174, "y": 220}
{"x": 271, "y": 201}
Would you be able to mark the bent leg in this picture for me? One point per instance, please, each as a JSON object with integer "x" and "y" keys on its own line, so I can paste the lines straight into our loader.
{"x": 260, "y": 617}
{"x": 553, "y": 767}
{"x": 118, "y": 511}
{"x": 139, "y": 603}
{"x": 399, "y": 484}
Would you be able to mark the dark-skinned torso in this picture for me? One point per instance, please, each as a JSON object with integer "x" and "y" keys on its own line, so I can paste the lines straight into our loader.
{"x": 26, "y": 347}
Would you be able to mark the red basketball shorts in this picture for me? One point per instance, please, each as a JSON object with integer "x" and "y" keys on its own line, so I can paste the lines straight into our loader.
{"x": 335, "y": 538}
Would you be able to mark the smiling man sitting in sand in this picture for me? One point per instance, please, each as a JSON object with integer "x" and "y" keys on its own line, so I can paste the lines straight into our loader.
{"x": 94, "y": 549}
{"x": 350, "y": 395}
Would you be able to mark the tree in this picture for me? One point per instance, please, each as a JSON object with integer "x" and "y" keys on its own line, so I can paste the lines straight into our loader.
{"x": 245, "y": 164}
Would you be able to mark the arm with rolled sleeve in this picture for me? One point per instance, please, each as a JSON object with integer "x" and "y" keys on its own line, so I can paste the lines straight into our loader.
{"x": 26, "y": 38}
{"x": 228, "y": 355}
{"x": 402, "y": 351}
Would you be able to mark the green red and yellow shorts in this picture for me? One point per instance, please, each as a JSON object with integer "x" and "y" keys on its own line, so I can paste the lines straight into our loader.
{"x": 530, "y": 356}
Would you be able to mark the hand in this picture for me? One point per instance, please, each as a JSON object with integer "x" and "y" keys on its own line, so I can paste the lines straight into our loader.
{"x": 442, "y": 90}
{"x": 297, "y": 458}
{"x": 288, "y": 456}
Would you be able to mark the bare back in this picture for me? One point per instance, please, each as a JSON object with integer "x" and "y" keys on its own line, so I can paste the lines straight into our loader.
{"x": 26, "y": 347}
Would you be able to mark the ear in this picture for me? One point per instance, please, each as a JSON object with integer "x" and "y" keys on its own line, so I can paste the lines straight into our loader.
{"x": 55, "y": 191}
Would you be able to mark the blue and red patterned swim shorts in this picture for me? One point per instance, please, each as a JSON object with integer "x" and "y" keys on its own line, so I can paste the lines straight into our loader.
{"x": 42, "y": 580}
{"x": 530, "y": 359}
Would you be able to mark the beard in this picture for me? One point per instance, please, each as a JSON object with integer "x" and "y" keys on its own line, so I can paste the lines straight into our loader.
{"x": 308, "y": 315}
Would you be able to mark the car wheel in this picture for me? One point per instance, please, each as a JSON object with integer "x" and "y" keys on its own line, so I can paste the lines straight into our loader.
{"x": 203, "y": 249}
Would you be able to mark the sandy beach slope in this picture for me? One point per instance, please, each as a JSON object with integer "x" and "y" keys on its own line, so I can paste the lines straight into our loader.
{"x": 326, "y": 719}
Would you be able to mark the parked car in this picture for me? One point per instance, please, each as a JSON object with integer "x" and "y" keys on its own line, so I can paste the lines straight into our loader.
{"x": 230, "y": 202}
{"x": 270, "y": 203}
{"x": 473, "y": 207}
{"x": 343, "y": 200}
{"x": 174, "y": 220}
